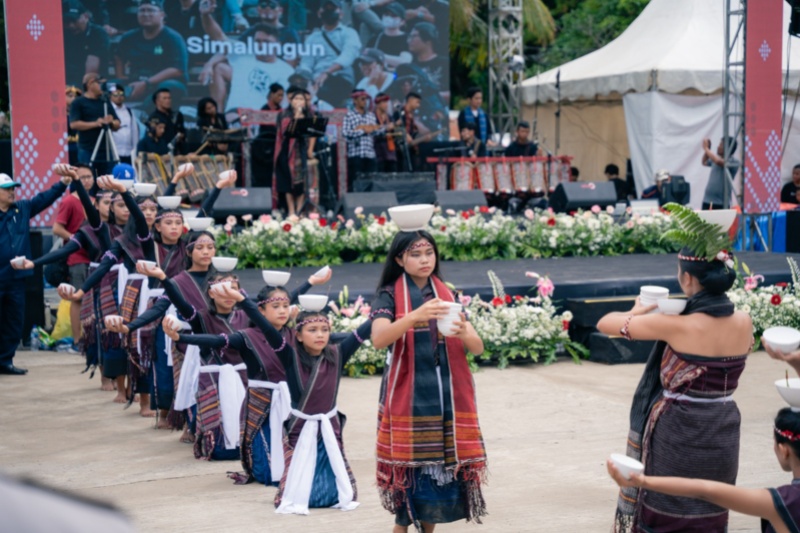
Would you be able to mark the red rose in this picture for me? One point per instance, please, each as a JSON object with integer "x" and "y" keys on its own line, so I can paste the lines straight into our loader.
{"x": 551, "y": 222}
{"x": 381, "y": 221}
{"x": 508, "y": 298}
{"x": 471, "y": 213}
{"x": 465, "y": 215}
{"x": 497, "y": 301}
{"x": 776, "y": 299}
{"x": 323, "y": 222}
{"x": 565, "y": 324}
{"x": 333, "y": 225}
{"x": 782, "y": 284}
{"x": 443, "y": 228}
{"x": 483, "y": 209}
{"x": 287, "y": 227}
{"x": 518, "y": 298}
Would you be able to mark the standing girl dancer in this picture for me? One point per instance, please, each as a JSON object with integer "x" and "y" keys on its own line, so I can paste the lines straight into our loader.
{"x": 428, "y": 390}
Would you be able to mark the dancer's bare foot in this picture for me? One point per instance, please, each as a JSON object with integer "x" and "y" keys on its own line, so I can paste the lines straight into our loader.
{"x": 163, "y": 424}
{"x": 147, "y": 412}
{"x": 186, "y": 438}
{"x": 106, "y": 384}
{"x": 120, "y": 397}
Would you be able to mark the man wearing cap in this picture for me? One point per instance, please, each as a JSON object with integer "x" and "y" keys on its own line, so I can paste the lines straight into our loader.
{"x": 471, "y": 146}
{"x": 654, "y": 192}
{"x": 127, "y": 136}
{"x": 332, "y": 71}
{"x": 376, "y": 79}
{"x": 152, "y": 56}
{"x": 522, "y": 146}
{"x": 88, "y": 115}
{"x": 358, "y": 128}
{"x": 15, "y": 217}
{"x": 393, "y": 41}
{"x": 86, "y": 46}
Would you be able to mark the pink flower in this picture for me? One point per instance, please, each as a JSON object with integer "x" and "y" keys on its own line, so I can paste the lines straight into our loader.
{"x": 629, "y": 224}
{"x": 492, "y": 210}
{"x": 231, "y": 220}
{"x": 450, "y": 212}
{"x": 358, "y": 210}
{"x": 529, "y": 214}
{"x": 465, "y": 300}
{"x": 247, "y": 218}
{"x": 530, "y": 274}
{"x": 313, "y": 216}
{"x": 610, "y": 209}
{"x": 334, "y": 308}
{"x": 550, "y": 210}
{"x": 628, "y": 210}
{"x": 265, "y": 219}
{"x": 228, "y": 228}
{"x": 294, "y": 218}
{"x": 545, "y": 287}
{"x": 751, "y": 282}
{"x": 347, "y": 311}
{"x": 349, "y": 224}
{"x": 365, "y": 310}
{"x": 340, "y": 218}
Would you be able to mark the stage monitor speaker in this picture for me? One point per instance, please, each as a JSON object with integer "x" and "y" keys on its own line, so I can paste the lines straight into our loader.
{"x": 240, "y": 201}
{"x": 677, "y": 190}
{"x": 583, "y": 195}
{"x": 793, "y": 232}
{"x": 460, "y": 200}
{"x": 373, "y": 203}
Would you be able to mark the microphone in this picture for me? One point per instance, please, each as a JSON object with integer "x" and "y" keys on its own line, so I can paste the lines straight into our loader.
{"x": 323, "y": 151}
{"x": 318, "y": 132}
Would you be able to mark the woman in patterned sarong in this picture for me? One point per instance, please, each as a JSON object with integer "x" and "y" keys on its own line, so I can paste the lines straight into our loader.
{"x": 779, "y": 508}
{"x": 684, "y": 422}
{"x": 427, "y": 390}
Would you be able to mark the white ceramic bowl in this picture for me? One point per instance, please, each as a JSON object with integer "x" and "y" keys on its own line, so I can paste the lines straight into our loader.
{"x": 782, "y": 338}
{"x": 226, "y": 174}
{"x": 18, "y": 261}
{"x": 313, "y": 302}
{"x": 224, "y": 264}
{"x": 653, "y": 292}
{"x": 217, "y": 287}
{"x": 113, "y": 320}
{"x": 322, "y": 271}
{"x": 276, "y": 278}
{"x": 169, "y": 202}
{"x": 66, "y": 287}
{"x": 671, "y": 307}
{"x": 723, "y": 218}
{"x": 790, "y": 394}
{"x": 144, "y": 189}
{"x": 626, "y": 465}
{"x": 148, "y": 264}
{"x": 186, "y": 167}
{"x": 446, "y": 326}
{"x": 199, "y": 224}
{"x": 411, "y": 217}
{"x": 173, "y": 321}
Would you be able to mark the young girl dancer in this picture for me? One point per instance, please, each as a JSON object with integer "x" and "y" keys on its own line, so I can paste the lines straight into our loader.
{"x": 779, "y": 508}
{"x": 316, "y": 471}
{"x": 427, "y": 390}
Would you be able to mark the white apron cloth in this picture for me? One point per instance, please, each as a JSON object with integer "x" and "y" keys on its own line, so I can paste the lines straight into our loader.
{"x": 280, "y": 408}
{"x": 231, "y": 393}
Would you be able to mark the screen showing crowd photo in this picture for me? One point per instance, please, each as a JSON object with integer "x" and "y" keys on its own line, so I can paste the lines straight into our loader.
{"x": 233, "y": 51}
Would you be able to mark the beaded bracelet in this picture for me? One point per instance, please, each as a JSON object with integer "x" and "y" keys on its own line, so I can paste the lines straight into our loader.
{"x": 194, "y": 314}
{"x": 226, "y": 340}
{"x": 625, "y": 329}
{"x": 359, "y": 339}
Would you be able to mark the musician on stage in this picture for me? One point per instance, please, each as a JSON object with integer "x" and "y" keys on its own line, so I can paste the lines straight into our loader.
{"x": 292, "y": 154}
{"x": 522, "y": 146}
{"x": 209, "y": 119}
{"x": 471, "y": 146}
{"x": 473, "y": 114}
{"x": 358, "y": 129}
{"x": 385, "y": 145}
{"x": 406, "y": 116}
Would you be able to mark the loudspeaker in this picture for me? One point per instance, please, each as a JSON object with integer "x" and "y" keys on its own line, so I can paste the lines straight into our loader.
{"x": 373, "y": 203}
{"x": 677, "y": 190}
{"x": 460, "y": 200}
{"x": 240, "y": 201}
{"x": 793, "y": 232}
{"x": 34, "y": 289}
{"x": 582, "y": 195}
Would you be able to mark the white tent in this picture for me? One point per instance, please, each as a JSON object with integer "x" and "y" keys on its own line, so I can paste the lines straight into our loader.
{"x": 666, "y": 72}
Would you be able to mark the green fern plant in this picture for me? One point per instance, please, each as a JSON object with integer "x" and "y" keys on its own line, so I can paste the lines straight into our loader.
{"x": 703, "y": 238}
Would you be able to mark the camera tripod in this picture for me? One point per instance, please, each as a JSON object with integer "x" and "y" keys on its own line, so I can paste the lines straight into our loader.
{"x": 110, "y": 147}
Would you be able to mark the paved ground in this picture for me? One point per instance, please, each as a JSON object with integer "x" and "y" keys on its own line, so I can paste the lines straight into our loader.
{"x": 547, "y": 430}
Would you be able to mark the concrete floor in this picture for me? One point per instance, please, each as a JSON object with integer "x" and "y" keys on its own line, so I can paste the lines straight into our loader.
{"x": 548, "y": 430}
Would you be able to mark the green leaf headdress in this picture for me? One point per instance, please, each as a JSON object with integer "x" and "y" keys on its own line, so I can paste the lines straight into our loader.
{"x": 707, "y": 241}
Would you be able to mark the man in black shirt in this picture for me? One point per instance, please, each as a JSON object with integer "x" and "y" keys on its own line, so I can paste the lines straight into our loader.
{"x": 790, "y": 193}
{"x": 470, "y": 144}
{"x": 174, "y": 130}
{"x": 522, "y": 145}
{"x": 421, "y": 44}
{"x": 152, "y": 56}
{"x": 393, "y": 41}
{"x": 86, "y": 46}
{"x": 88, "y": 115}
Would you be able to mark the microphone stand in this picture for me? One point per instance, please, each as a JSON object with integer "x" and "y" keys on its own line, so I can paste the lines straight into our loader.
{"x": 558, "y": 110}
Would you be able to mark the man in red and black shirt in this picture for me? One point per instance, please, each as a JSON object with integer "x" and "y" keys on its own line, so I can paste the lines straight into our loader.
{"x": 69, "y": 218}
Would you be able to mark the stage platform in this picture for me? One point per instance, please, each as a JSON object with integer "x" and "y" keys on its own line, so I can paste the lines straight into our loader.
{"x": 574, "y": 277}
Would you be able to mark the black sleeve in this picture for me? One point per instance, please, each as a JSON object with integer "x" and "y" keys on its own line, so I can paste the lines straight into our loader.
{"x": 383, "y": 305}
{"x": 110, "y": 259}
{"x": 170, "y": 190}
{"x": 62, "y": 253}
{"x": 462, "y": 119}
{"x": 186, "y": 310}
{"x": 205, "y": 340}
{"x": 92, "y": 215}
{"x": 302, "y": 289}
{"x": 156, "y": 312}
{"x": 274, "y": 338}
{"x": 142, "y": 231}
{"x": 208, "y": 204}
{"x": 353, "y": 341}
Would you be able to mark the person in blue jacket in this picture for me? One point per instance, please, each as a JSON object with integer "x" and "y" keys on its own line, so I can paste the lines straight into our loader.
{"x": 15, "y": 217}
